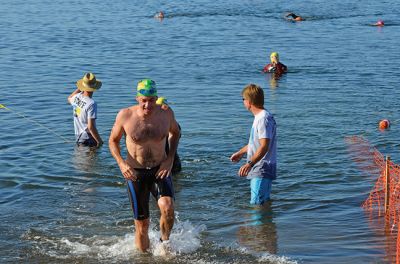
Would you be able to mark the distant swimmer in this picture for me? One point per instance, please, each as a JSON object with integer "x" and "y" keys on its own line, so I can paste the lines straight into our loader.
{"x": 275, "y": 66}
{"x": 159, "y": 15}
{"x": 384, "y": 124}
{"x": 85, "y": 111}
{"x": 379, "y": 23}
{"x": 293, "y": 17}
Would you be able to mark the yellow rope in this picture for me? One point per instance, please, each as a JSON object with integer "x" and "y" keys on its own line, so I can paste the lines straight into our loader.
{"x": 34, "y": 121}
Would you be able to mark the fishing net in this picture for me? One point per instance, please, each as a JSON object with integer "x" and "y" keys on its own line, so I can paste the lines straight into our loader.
{"x": 383, "y": 202}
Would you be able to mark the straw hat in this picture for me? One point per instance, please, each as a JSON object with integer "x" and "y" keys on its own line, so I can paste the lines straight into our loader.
{"x": 88, "y": 83}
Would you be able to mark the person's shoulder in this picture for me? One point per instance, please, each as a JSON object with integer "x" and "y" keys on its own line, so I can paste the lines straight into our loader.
{"x": 268, "y": 114}
{"x": 89, "y": 101}
{"x": 266, "y": 122}
{"x": 167, "y": 111}
{"x": 92, "y": 102}
{"x": 126, "y": 112}
{"x": 282, "y": 65}
{"x": 129, "y": 110}
{"x": 264, "y": 116}
{"x": 269, "y": 117}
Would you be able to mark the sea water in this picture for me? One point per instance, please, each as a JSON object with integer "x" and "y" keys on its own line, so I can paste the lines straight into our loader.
{"x": 63, "y": 204}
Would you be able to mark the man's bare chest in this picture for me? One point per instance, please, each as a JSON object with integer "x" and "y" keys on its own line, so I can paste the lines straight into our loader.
{"x": 147, "y": 131}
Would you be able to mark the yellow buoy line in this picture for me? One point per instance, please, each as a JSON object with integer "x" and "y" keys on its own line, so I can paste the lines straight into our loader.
{"x": 34, "y": 121}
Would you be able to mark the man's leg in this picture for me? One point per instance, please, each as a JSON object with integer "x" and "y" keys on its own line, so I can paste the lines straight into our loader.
{"x": 166, "y": 205}
{"x": 142, "y": 234}
{"x": 260, "y": 190}
{"x": 138, "y": 192}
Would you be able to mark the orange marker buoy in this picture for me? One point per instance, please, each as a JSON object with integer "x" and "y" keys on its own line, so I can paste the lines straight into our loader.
{"x": 384, "y": 124}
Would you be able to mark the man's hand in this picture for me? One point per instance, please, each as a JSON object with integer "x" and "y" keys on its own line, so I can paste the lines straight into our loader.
{"x": 244, "y": 170}
{"x": 127, "y": 171}
{"x": 236, "y": 157}
{"x": 165, "y": 169}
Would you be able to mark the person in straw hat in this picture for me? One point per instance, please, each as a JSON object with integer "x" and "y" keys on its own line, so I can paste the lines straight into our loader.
{"x": 85, "y": 111}
{"x": 146, "y": 128}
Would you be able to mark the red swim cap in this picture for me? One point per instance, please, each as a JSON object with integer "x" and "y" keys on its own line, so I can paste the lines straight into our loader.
{"x": 384, "y": 124}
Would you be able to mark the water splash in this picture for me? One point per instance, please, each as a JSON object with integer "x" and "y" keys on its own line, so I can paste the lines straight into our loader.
{"x": 185, "y": 238}
{"x": 270, "y": 258}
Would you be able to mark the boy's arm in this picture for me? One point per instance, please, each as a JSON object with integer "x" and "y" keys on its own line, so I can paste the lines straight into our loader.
{"x": 72, "y": 95}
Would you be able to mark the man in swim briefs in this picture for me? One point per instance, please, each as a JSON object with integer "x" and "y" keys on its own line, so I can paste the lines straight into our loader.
{"x": 147, "y": 167}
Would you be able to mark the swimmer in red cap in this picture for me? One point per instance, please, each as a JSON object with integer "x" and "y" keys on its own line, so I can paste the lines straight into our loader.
{"x": 293, "y": 17}
{"x": 384, "y": 124}
{"x": 379, "y": 23}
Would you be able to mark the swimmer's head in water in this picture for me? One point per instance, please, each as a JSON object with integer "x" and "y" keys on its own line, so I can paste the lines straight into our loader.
{"x": 274, "y": 57}
{"x": 380, "y": 23}
{"x": 146, "y": 87}
{"x": 293, "y": 15}
{"x": 159, "y": 15}
{"x": 384, "y": 124}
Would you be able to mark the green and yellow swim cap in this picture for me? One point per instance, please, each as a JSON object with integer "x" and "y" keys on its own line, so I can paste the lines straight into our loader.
{"x": 162, "y": 100}
{"x": 274, "y": 55}
{"x": 146, "y": 87}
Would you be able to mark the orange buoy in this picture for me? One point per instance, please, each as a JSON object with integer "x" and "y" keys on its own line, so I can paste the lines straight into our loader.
{"x": 384, "y": 124}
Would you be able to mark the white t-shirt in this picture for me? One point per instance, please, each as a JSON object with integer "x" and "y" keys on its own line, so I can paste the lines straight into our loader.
{"x": 84, "y": 108}
{"x": 264, "y": 126}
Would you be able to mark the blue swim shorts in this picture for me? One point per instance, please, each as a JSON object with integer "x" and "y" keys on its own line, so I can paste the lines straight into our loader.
{"x": 260, "y": 190}
{"x": 146, "y": 183}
